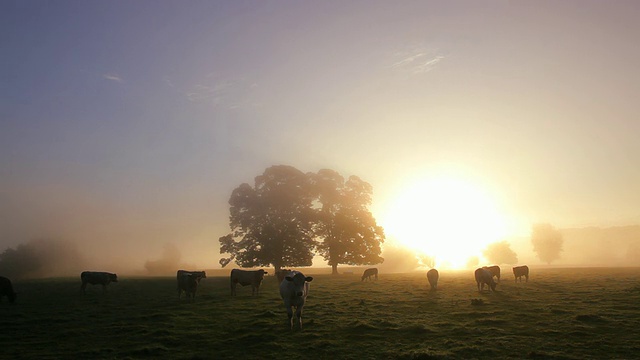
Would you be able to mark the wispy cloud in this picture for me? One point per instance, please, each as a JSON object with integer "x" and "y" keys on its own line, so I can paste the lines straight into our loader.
{"x": 416, "y": 60}
{"x": 113, "y": 77}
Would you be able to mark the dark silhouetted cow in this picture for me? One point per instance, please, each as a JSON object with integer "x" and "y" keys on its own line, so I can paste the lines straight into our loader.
{"x": 189, "y": 283}
{"x": 520, "y": 271}
{"x": 433, "y": 276}
{"x": 369, "y": 273}
{"x": 294, "y": 290}
{"x": 97, "y": 278}
{"x": 6, "y": 289}
{"x": 183, "y": 281}
{"x": 484, "y": 276}
{"x": 245, "y": 277}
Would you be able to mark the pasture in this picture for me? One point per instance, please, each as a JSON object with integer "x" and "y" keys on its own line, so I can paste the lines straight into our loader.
{"x": 585, "y": 313}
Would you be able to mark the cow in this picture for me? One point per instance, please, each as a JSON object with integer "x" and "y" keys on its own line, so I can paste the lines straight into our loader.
{"x": 294, "y": 290}
{"x": 6, "y": 289}
{"x": 183, "y": 281}
{"x": 484, "y": 276}
{"x": 280, "y": 274}
{"x": 189, "y": 283}
{"x": 432, "y": 276}
{"x": 369, "y": 273}
{"x": 494, "y": 270}
{"x": 245, "y": 277}
{"x": 520, "y": 271}
{"x": 97, "y": 278}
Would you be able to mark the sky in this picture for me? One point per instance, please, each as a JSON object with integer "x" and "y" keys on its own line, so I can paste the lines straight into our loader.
{"x": 125, "y": 125}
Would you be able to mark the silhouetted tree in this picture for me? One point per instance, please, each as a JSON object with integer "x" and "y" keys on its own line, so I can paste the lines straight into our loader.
{"x": 347, "y": 229}
{"x": 500, "y": 253}
{"x": 271, "y": 222}
{"x": 547, "y": 242}
{"x": 41, "y": 257}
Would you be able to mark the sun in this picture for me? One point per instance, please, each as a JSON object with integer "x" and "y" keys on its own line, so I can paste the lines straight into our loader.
{"x": 449, "y": 219}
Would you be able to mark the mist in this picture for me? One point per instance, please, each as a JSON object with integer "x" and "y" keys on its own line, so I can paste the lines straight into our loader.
{"x": 42, "y": 258}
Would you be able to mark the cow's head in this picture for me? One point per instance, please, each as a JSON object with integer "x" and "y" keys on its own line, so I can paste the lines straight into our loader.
{"x": 298, "y": 280}
{"x": 113, "y": 277}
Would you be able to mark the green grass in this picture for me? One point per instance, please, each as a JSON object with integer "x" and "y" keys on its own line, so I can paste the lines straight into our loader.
{"x": 560, "y": 314}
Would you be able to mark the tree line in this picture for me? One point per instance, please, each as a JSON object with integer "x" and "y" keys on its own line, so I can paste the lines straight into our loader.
{"x": 288, "y": 216}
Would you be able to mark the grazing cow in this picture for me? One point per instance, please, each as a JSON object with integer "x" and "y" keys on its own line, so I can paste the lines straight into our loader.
{"x": 494, "y": 270}
{"x": 6, "y": 289}
{"x": 280, "y": 274}
{"x": 432, "y": 276}
{"x": 183, "y": 281}
{"x": 294, "y": 290}
{"x": 190, "y": 285}
{"x": 520, "y": 271}
{"x": 97, "y": 278}
{"x": 245, "y": 277}
{"x": 484, "y": 276}
{"x": 369, "y": 273}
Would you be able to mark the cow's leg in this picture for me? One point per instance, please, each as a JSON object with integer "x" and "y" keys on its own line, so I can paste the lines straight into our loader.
{"x": 233, "y": 289}
{"x": 290, "y": 315}
{"x": 83, "y": 287}
{"x": 299, "y": 316}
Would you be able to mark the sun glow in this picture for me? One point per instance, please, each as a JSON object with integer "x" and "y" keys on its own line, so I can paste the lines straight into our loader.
{"x": 449, "y": 219}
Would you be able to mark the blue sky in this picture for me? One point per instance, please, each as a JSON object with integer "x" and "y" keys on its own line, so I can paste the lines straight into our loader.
{"x": 130, "y": 123}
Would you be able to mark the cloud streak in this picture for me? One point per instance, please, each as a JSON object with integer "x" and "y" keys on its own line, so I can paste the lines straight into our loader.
{"x": 417, "y": 60}
{"x": 113, "y": 77}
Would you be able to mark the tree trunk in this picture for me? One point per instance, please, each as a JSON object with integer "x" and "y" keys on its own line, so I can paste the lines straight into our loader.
{"x": 334, "y": 269}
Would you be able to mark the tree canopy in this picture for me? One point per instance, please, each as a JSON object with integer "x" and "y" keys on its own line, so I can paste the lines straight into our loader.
{"x": 500, "y": 253}
{"x": 345, "y": 225}
{"x": 271, "y": 222}
{"x": 547, "y": 242}
{"x": 288, "y": 215}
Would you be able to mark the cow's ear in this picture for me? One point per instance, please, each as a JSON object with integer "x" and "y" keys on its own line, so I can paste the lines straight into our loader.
{"x": 308, "y": 279}
{"x": 288, "y": 278}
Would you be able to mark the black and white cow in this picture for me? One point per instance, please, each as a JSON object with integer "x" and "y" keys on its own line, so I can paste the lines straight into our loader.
{"x": 433, "y": 276}
{"x": 97, "y": 278}
{"x": 246, "y": 277}
{"x": 484, "y": 276}
{"x": 6, "y": 289}
{"x": 294, "y": 290}
{"x": 520, "y": 271}
{"x": 369, "y": 273}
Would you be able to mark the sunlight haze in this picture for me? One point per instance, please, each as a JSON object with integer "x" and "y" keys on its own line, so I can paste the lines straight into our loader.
{"x": 126, "y": 125}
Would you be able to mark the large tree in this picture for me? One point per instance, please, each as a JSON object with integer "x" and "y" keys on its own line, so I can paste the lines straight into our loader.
{"x": 547, "y": 242}
{"x": 500, "y": 253}
{"x": 347, "y": 229}
{"x": 271, "y": 222}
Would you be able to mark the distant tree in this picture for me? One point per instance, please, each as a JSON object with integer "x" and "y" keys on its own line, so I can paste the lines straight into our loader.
{"x": 472, "y": 262}
{"x": 500, "y": 253}
{"x": 348, "y": 231}
{"x": 271, "y": 222}
{"x": 41, "y": 258}
{"x": 547, "y": 242}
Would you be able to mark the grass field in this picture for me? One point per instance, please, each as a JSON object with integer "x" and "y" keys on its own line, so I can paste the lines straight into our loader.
{"x": 587, "y": 313}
